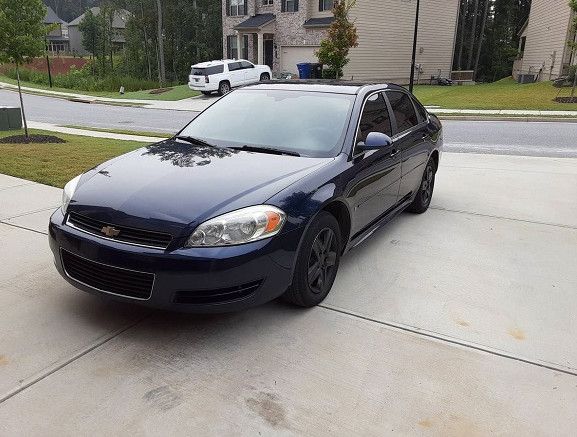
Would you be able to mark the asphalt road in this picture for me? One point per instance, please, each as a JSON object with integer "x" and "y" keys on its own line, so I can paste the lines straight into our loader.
{"x": 550, "y": 139}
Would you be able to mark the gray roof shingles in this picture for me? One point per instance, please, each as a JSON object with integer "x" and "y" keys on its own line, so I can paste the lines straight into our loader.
{"x": 51, "y": 17}
{"x": 118, "y": 22}
{"x": 319, "y": 22}
{"x": 256, "y": 21}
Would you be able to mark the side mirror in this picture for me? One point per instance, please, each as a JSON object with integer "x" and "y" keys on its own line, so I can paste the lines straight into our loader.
{"x": 376, "y": 141}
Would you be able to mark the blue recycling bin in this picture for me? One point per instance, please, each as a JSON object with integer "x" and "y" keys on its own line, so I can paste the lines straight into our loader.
{"x": 305, "y": 70}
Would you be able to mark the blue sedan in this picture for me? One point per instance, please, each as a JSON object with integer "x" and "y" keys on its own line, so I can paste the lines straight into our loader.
{"x": 258, "y": 197}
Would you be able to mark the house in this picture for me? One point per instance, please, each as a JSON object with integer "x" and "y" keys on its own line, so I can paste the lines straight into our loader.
{"x": 119, "y": 20}
{"x": 543, "y": 49}
{"x": 283, "y": 33}
{"x": 57, "y": 40}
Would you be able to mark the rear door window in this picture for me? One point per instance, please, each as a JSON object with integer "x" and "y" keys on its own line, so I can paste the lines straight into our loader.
{"x": 421, "y": 111}
{"x": 403, "y": 110}
{"x": 208, "y": 71}
{"x": 375, "y": 118}
{"x": 234, "y": 66}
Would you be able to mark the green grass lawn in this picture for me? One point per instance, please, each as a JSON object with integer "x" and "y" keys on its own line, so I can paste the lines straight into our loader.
{"x": 56, "y": 164}
{"x": 504, "y": 94}
{"x": 178, "y": 92}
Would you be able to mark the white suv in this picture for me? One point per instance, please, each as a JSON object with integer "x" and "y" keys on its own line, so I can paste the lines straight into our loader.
{"x": 221, "y": 76}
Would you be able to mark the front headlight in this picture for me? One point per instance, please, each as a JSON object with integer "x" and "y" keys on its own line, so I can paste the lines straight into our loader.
{"x": 68, "y": 192}
{"x": 238, "y": 227}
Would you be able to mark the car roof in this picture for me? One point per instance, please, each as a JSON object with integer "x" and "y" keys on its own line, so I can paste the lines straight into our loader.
{"x": 324, "y": 86}
{"x": 218, "y": 62}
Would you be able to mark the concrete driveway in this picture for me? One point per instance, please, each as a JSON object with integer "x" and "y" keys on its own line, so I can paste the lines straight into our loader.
{"x": 461, "y": 321}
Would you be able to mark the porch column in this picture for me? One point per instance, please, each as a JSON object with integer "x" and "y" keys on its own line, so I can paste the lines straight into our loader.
{"x": 238, "y": 45}
{"x": 260, "y": 51}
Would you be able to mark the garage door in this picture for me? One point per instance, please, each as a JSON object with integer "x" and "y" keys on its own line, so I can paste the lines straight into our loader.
{"x": 291, "y": 56}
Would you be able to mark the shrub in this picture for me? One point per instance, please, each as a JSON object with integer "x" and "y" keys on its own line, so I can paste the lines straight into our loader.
{"x": 572, "y": 73}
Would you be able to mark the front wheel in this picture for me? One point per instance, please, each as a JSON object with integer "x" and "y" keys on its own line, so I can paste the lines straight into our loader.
{"x": 264, "y": 76}
{"x": 317, "y": 262}
{"x": 425, "y": 193}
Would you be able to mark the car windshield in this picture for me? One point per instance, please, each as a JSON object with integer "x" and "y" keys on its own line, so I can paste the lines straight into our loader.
{"x": 308, "y": 123}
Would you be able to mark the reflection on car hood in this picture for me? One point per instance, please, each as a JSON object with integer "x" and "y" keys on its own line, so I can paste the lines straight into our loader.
{"x": 170, "y": 185}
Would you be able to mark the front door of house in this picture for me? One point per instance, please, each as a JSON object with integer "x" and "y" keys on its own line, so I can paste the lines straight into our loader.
{"x": 268, "y": 52}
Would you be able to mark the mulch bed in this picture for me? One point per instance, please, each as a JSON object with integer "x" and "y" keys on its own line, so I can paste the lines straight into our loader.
{"x": 566, "y": 99}
{"x": 36, "y": 139}
{"x": 159, "y": 90}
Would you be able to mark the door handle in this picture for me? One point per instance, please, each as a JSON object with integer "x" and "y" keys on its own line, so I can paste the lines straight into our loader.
{"x": 425, "y": 136}
{"x": 394, "y": 153}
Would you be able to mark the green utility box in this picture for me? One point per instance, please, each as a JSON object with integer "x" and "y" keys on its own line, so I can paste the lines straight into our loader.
{"x": 10, "y": 118}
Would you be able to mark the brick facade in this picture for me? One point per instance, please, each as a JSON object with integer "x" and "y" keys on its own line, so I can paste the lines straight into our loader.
{"x": 287, "y": 29}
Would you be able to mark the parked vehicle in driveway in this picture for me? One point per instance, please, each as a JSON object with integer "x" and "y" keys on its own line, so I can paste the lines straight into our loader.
{"x": 258, "y": 197}
{"x": 222, "y": 76}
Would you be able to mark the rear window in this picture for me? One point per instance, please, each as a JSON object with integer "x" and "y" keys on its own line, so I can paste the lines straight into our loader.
{"x": 208, "y": 71}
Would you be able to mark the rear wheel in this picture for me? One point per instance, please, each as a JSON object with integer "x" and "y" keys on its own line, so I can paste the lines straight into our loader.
{"x": 317, "y": 262}
{"x": 264, "y": 76}
{"x": 425, "y": 193}
{"x": 223, "y": 88}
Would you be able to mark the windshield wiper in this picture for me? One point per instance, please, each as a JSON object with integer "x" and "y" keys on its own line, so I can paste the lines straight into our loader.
{"x": 194, "y": 140}
{"x": 270, "y": 150}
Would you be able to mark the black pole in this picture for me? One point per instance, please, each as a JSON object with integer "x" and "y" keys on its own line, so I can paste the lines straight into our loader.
{"x": 48, "y": 66}
{"x": 412, "y": 82}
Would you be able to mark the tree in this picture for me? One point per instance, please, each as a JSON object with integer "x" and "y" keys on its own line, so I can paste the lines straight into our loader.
{"x": 481, "y": 37}
{"x": 341, "y": 37}
{"x": 160, "y": 38}
{"x": 573, "y": 44}
{"x": 91, "y": 30}
{"x": 473, "y": 34}
{"x": 22, "y": 33}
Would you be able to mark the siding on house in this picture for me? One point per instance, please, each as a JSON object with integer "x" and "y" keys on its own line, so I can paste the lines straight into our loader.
{"x": 547, "y": 34}
{"x": 386, "y": 38}
{"x": 385, "y": 30}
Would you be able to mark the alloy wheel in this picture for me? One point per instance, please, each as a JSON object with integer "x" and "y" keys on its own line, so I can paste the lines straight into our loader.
{"x": 322, "y": 261}
{"x": 427, "y": 186}
{"x": 224, "y": 88}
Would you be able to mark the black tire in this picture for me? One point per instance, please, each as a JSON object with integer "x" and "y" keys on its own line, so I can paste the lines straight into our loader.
{"x": 317, "y": 262}
{"x": 264, "y": 76}
{"x": 223, "y": 88}
{"x": 425, "y": 193}
{"x": 206, "y": 93}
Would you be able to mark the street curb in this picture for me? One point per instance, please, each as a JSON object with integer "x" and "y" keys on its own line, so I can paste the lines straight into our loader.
{"x": 498, "y": 118}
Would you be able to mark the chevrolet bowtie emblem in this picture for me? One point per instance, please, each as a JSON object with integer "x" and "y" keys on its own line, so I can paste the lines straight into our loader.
{"x": 109, "y": 231}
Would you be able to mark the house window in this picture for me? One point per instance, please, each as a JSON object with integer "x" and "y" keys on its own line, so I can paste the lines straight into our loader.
{"x": 290, "y": 5}
{"x": 326, "y": 5}
{"x": 236, "y": 7}
{"x": 232, "y": 47}
{"x": 267, "y": 2}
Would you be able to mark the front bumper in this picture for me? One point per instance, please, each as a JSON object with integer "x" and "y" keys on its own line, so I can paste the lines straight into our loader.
{"x": 268, "y": 263}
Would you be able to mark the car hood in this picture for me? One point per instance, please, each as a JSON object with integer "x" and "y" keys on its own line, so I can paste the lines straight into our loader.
{"x": 171, "y": 185}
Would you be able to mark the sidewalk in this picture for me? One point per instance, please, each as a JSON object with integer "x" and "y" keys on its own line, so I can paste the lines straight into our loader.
{"x": 91, "y": 133}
